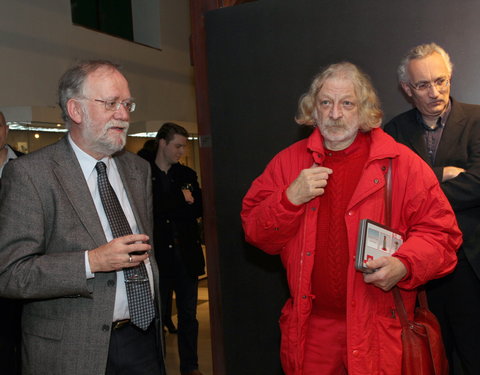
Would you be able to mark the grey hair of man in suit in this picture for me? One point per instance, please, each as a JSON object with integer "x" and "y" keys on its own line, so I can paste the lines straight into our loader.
{"x": 96, "y": 103}
{"x": 419, "y": 52}
{"x": 71, "y": 84}
{"x": 424, "y": 75}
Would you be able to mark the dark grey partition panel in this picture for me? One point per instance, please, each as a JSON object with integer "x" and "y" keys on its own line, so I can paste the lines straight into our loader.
{"x": 261, "y": 57}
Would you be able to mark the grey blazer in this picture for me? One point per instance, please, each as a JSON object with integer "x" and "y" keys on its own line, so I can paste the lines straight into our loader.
{"x": 66, "y": 319}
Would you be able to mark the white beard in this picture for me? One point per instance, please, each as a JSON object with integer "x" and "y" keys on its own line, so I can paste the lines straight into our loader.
{"x": 101, "y": 141}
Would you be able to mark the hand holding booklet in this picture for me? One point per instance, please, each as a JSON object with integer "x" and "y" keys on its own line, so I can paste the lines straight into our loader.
{"x": 374, "y": 241}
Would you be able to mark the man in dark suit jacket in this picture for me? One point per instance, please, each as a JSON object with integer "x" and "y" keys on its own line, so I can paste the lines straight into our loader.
{"x": 10, "y": 310}
{"x": 446, "y": 134}
{"x": 62, "y": 259}
{"x": 177, "y": 203}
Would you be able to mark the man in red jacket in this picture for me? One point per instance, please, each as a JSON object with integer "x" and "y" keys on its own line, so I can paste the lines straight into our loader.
{"x": 307, "y": 206}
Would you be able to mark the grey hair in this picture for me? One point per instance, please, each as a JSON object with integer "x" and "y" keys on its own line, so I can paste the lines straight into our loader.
{"x": 71, "y": 83}
{"x": 369, "y": 105}
{"x": 419, "y": 52}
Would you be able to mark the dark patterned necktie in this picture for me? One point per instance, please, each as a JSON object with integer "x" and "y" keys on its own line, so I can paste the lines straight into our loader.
{"x": 140, "y": 302}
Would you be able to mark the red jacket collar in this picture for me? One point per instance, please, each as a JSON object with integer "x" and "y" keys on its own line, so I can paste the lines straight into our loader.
{"x": 382, "y": 146}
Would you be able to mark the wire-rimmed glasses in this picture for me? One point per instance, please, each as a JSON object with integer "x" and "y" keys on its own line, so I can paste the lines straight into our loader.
{"x": 113, "y": 105}
{"x": 440, "y": 84}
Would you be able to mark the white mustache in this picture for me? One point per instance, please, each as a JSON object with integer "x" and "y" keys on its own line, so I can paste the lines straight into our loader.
{"x": 334, "y": 123}
{"x": 117, "y": 124}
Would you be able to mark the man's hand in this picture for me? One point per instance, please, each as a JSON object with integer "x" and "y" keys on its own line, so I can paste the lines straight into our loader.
{"x": 451, "y": 172}
{"x": 187, "y": 194}
{"x": 309, "y": 184}
{"x": 386, "y": 272}
{"x": 116, "y": 254}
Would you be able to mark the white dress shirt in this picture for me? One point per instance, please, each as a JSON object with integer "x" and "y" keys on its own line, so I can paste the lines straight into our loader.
{"x": 10, "y": 155}
{"x": 87, "y": 163}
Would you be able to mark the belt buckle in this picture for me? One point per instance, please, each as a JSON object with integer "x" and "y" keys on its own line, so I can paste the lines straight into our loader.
{"x": 119, "y": 324}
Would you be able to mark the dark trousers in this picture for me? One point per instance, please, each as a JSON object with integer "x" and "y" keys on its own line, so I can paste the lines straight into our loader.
{"x": 455, "y": 300}
{"x": 167, "y": 315}
{"x": 10, "y": 336}
{"x": 134, "y": 352}
{"x": 186, "y": 294}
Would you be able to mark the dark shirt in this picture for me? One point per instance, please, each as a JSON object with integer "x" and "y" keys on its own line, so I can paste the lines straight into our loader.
{"x": 432, "y": 136}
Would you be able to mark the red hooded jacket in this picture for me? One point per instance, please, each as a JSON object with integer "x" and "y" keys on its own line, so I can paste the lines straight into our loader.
{"x": 420, "y": 211}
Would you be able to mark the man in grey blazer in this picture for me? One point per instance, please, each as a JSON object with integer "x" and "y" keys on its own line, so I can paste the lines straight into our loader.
{"x": 446, "y": 134}
{"x": 62, "y": 258}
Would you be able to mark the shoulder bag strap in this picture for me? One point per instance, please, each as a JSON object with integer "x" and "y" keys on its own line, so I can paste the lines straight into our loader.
{"x": 400, "y": 307}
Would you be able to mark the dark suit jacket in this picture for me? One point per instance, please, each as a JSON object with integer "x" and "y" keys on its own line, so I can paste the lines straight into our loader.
{"x": 66, "y": 318}
{"x": 10, "y": 313}
{"x": 459, "y": 147}
{"x": 175, "y": 221}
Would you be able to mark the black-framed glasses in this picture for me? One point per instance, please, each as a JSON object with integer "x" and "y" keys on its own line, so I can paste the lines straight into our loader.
{"x": 112, "y": 105}
{"x": 439, "y": 83}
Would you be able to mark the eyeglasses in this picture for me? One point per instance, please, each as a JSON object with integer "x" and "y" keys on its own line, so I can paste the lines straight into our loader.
{"x": 440, "y": 84}
{"x": 112, "y": 105}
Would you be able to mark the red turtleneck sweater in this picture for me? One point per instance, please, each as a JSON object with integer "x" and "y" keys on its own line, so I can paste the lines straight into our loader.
{"x": 329, "y": 277}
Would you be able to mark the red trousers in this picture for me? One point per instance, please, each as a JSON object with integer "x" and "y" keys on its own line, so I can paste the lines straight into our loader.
{"x": 325, "y": 346}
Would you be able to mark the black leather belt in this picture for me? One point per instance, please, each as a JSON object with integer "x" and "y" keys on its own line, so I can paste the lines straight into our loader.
{"x": 120, "y": 323}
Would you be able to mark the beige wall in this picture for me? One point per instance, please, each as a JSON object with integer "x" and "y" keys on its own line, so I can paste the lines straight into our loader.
{"x": 26, "y": 142}
{"x": 38, "y": 42}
